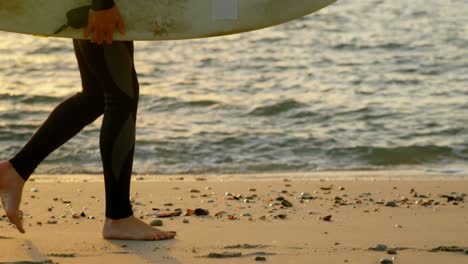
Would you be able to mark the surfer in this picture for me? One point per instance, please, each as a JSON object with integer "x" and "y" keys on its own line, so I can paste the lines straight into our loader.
{"x": 109, "y": 88}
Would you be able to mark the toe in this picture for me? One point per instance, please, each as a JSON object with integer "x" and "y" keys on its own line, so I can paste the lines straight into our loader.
{"x": 169, "y": 235}
{"x": 17, "y": 221}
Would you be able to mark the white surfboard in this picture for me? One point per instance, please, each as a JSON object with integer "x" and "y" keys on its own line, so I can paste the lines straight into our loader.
{"x": 158, "y": 19}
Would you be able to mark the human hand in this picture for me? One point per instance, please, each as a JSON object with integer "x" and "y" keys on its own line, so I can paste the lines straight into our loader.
{"x": 102, "y": 24}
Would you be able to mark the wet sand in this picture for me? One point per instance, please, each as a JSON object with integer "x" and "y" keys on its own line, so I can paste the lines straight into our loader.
{"x": 282, "y": 218}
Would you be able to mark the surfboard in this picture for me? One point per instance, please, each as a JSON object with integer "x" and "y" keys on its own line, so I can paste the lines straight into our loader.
{"x": 155, "y": 19}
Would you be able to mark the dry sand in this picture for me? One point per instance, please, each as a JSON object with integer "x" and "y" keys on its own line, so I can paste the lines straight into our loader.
{"x": 363, "y": 216}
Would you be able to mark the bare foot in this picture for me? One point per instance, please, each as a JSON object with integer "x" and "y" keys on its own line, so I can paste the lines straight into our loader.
{"x": 131, "y": 228}
{"x": 11, "y": 188}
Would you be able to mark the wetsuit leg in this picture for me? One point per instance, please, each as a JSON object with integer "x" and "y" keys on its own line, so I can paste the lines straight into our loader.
{"x": 109, "y": 69}
{"x": 65, "y": 121}
{"x": 117, "y": 139}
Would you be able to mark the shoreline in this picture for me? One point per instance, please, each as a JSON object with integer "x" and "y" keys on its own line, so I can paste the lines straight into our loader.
{"x": 335, "y": 175}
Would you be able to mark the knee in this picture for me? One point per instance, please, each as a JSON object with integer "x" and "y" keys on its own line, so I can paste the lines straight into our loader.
{"x": 92, "y": 102}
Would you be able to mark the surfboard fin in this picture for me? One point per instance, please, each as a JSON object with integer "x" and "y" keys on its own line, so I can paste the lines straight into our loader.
{"x": 76, "y": 18}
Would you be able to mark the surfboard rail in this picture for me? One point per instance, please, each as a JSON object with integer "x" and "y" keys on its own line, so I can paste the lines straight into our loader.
{"x": 159, "y": 19}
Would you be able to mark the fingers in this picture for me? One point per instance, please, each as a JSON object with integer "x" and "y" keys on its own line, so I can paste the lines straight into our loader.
{"x": 102, "y": 24}
{"x": 98, "y": 36}
{"x": 109, "y": 37}
{"x": 89, "y": 29}
{"x": 121, "y": 25}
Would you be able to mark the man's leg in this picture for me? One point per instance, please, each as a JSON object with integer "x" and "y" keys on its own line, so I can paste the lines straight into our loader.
{"x": 66, "y": 120}
{"x": 117, "y": 76}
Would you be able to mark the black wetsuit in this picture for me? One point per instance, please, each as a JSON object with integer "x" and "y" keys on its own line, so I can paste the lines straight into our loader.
{"x": 109, "y": 87}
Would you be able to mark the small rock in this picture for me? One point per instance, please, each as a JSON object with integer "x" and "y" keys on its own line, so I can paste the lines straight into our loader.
{"x": 252, "y": 190}
{"x": 200, "y": 211}
{"x": 185, "y": 221}
{"x": 75, "y": 215}
{"x": 386, "y": 261}
{"x": 341, "y": 188}
{"x": 194, "y": 190}
{"x": 379, "y": 247}
{"x": 168, "y": 214}
{"x": 286, "y": 203}
{"x": 391, "y": 204}
{"x": 246, "y": 214}
{"x": 391, "y": 252}
{"x": 168, "y": 204}
{"x": 51, "y": 221}
{"x": 156, "y": 222}
{"x": 327, "y": 218}
{"x": 82, "y": 214}
{"x": 259, "y": 258}
{"x": 281, "y": 216}
{"x": 34, "y": 190}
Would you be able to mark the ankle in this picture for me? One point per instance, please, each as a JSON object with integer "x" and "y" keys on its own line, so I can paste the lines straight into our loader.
{"x": 117, "y": 221}
{"x": 6, "y": 168}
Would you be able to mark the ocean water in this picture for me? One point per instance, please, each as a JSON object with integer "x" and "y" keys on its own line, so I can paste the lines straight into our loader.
{"x": 366, "y": 84}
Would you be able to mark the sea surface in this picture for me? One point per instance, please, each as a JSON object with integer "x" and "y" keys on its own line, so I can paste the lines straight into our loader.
{"x": 362, "y": 84}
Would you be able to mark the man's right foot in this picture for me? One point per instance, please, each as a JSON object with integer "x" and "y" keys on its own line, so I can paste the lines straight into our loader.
{"x": 11, "y": 189}
{"x": 131, "y": 228}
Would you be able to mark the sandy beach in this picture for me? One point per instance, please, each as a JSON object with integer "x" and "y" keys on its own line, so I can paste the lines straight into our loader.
{"x": 363, "y": 217}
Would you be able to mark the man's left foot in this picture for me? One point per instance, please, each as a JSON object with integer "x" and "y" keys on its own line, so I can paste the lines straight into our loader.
{"x": 11, "y": 189}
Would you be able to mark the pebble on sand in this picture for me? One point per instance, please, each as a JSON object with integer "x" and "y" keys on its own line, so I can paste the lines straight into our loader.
{"x": 200, "y": 211}
{"x": 34, "y": 190}
{"x": 280, "y": 216}
{"x": 379, "y": 247}
{"x": 156, "y": 222}
{"x": 258, "y": 258}
{"x": 168, "y": 214}
{"x": 386, "y": 261}
{"x": 286, "y": 203}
